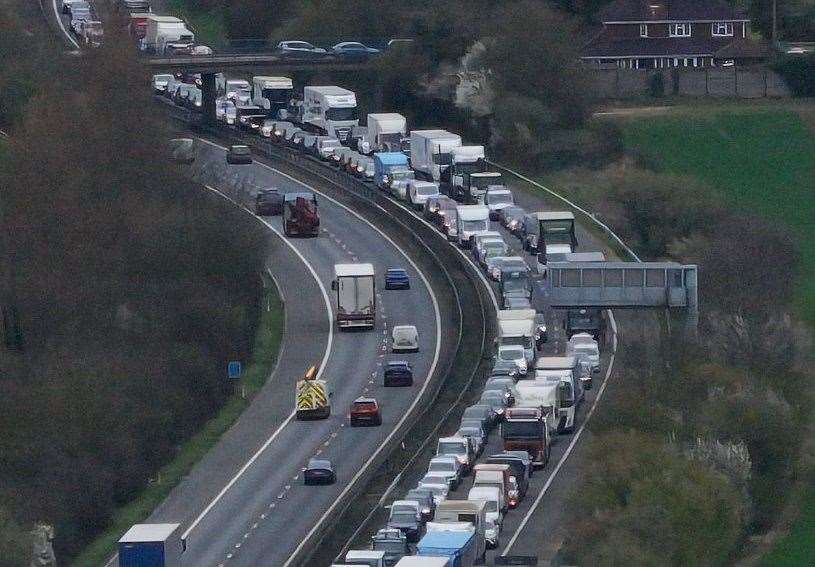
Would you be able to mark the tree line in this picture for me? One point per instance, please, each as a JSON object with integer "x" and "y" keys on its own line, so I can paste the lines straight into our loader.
{"x": 131, "y": 290}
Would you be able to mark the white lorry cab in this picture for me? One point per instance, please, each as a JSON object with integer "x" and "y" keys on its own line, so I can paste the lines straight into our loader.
{"x": 563, "y": 371}
{"x": 472, "y": 220}
{"x": 271, "y": 93}
{"x": 431, "y": 152}
{"x": 384, "y": 134}
{"x": 518, "y": 329}
{"x": 491, "y": 498}
{"x": 556, "y": 237}
{"x": 496, "y": 198}
{"x": 166, "y": 34}
{"x": 543, "y": 396}
{"x": 365, "y": 557}
{"x": 330, "y": 110}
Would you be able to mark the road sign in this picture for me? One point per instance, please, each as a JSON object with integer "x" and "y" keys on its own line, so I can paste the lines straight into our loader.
{"x": 233, "y": 369}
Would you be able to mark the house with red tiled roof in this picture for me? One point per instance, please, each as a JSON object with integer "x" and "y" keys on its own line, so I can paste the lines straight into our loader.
{"x": 663, "y": 34}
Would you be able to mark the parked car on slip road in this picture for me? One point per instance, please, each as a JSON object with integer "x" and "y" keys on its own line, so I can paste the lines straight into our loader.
{"x": 239, "y": 154}
{"x": 269, "y": 202}
{"x": 398, "y": 373}
{"x": 319, "y": 471}
{"x": 396, "y": 278}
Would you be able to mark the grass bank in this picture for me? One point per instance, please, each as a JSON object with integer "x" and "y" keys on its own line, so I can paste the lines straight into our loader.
{"x": 760, "y": 156}
{"x": 208, "y": 26}
{"x": 266, "y": 348}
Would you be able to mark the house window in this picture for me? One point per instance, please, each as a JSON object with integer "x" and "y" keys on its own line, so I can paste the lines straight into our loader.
{"x": 679, "y": 30}
{"x": 722, "y": 29}
{"x": 643, "y": 30}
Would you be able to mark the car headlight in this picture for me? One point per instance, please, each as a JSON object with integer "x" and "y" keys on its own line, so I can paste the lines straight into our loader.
{"x": 385, "y": 179}
{"x": 243, "y": 119}
{"x": 360, "y": 168}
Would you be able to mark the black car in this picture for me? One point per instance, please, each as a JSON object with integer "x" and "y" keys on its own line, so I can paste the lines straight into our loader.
{"x": 269, "y": 202}
{"x": 398, "y": 373}
{"x": 512, "y": 218}
{"x": 319, "y": 471}
{"x": 239, "y": 154}
{"x": 353, "y": 51}
{"x": 505, "y": 368}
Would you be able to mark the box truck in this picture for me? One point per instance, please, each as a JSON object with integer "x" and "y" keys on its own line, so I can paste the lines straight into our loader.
{"x": 330, "y": 110}
{"x": 151, "y": 545}
{"x": 355, "y": 287}
{"x": 459, "y": 547}
{"x": 431, "y": 152}
{"x": 384, "y": 134}
{"x": 166, "y": 35}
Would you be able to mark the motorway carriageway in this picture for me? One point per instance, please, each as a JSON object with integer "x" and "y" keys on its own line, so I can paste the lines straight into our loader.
{"x": 535, "y": 527}
{"x": 266, "y": 512}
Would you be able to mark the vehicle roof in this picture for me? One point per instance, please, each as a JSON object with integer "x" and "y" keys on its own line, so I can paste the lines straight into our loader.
{"x": 330, "y": 90}
{"x": 405, "y": 328}
{"x": 456, "y": 505}
{"x": 585, "y": 257}
{"x": 485, "y": 490}
{"x": 489, "y": 475}
{"x": 386, "y": 116}
{"x": 497, "y": 189}
{"x": 391, "y": 158}
{"x": 422, "y": 561}
{"x": 452, "y": 439}
{"x": 148, "y": 533}
{"x": 411, "y": 503}
{"x": 555, "y": 215}
{"x": 319, "y": 464}
{"x": 516, "y": 314}
{"x": 444, "y": 540}
{"x": 345, "y": 270}
{"x": 364, "y": 554}
{"x": 555, "y": 362}
{"x": 365, "y": 400}
{"x": 398, "y": 363}
{"x": 435, "y": 134}
{"x": 397, "y": 270}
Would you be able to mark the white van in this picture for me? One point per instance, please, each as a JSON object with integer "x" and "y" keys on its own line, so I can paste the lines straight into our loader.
{"x": 418, "y": 192}
{"x": 491, "y": 498}
{"x": 493, "y": 479}
{"x": 472, "y": 221}
{"x": 365, "y": 557}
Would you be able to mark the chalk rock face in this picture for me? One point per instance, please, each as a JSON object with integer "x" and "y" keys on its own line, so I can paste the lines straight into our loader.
{"x": 43, "y": 548}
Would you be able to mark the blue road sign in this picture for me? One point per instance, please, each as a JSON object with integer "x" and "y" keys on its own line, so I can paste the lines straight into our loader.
{"x": 233, "y": 369}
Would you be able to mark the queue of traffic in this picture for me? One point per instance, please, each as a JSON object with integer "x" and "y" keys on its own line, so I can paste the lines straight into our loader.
{"x": 528, "y": 399}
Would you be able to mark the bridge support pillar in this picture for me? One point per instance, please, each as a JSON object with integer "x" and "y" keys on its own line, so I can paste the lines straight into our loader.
{"x": 208, "y": 98}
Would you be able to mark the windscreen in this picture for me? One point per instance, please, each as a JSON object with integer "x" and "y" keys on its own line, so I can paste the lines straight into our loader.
{"x": 498, "y": 198}
{"x": 510, "y": 354}
{"x": 403, "y": 517}
{"x": 517, "y": 341}
{"x": 480, "y": 182}
{"x": 474, "y": 225}
{"x": 521, "y": 429}
{"x": 472, "y": 167}
{"x": 515, "y": 284}
{"x": 342, "y": 114}
{"x": 451, "y": 448}
{"x": 277, "y": 95}
{"x": 585, "y": 320}
{"x": 558, "y": 232}
{"x": 443, "y": 158}
{"x": 427, "y": 190}
{"x": 442, "y": 467}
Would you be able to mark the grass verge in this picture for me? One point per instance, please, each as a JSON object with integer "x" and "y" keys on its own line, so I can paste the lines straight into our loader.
{"x": 208, "y": 26}
{"x": 267, "y": 346}
{"x": 760, "y": 156}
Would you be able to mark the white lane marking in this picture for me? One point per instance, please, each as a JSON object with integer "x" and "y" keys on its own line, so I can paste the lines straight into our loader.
{"x": 62, "y": 25}
{"x": 426, "y": 383}
{"x": 323, "y": 363}
{"x": 571, "y": 446}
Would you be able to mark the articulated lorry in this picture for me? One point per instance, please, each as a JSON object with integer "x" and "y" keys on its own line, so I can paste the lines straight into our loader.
{"x": 563, "y": 372}
{"x": 311, "y": 397}
{"x": 467, "y": 178}
{"x": 300, "y": 215}
{"x": 330, "y": 110}
{"x": 151, "y": 545}
{"x": 431, "y": 152}
{"x": 272, "y": 94}
{"x": 525, "y": 429}
{"x": 165, "y": 35}
{"x": 384, "y": 134}
{"x": 556, "y": 237}
{"x": 355, "y": 287}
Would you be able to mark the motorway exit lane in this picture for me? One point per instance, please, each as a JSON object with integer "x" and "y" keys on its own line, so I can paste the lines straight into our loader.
{"x": 268, "y": 511}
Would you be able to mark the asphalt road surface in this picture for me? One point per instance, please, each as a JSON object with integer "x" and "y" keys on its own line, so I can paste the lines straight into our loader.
{"x": 267, "y": 511}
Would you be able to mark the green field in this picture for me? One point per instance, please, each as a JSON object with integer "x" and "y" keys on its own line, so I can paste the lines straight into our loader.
{"x": 761, "y": 157}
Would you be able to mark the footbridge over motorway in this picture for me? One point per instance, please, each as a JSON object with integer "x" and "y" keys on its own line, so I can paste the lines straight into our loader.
{"x": 622, "y": 285}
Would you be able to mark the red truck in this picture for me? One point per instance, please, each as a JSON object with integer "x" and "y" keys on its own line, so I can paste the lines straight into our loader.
{"x": 525, "y": 429}
{"x": 300, "y": 216}
{"x": 138, "y": 25}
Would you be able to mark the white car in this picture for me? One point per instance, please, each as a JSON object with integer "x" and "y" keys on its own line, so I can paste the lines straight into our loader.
{"x": 448, "y": 466}
{"x": 418, "y": 192}
{"x": 496, "y": 198}
{"x": 437, "y": 484}
{"x": 515, "y": 354}
{"x": 160, "y": 83}
{"x": 405, "y": 338}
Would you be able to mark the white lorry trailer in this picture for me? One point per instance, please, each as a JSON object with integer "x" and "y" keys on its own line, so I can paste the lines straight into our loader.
{"x": 355, "y": 287}
{"x": 471, "y": 220}
{"x": 166, "y": 34}
{"x": 271, "y": 93}
{"x": 330, "y": 110}
{"x": 563, "y": 372}
{"x": 384, "y": 134}
{"x": 431, "y": 152}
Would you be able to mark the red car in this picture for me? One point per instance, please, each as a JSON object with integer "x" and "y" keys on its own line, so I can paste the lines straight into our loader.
{"x": 365, "y": 411}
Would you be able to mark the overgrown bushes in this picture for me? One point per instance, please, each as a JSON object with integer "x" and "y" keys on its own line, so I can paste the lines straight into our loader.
{"x": 133, "y": 290}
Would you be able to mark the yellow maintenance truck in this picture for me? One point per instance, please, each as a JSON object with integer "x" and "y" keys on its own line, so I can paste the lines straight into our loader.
{"x": 312, "y": 397}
